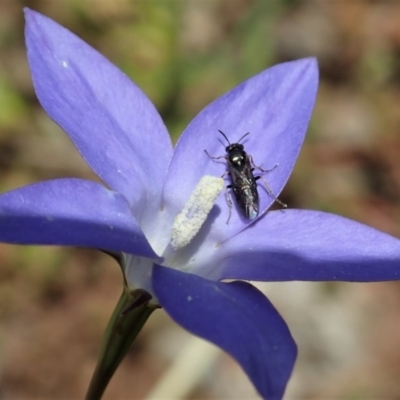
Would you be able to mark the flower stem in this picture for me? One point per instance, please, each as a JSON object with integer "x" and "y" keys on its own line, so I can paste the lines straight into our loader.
{"x": 130, "y": 314}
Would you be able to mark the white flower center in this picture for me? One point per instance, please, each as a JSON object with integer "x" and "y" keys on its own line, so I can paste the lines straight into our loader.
{"x": 185, "y": 227}
{"x": 188, "y": 223}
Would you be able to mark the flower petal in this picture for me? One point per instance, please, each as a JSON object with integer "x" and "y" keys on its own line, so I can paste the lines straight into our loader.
{"x": 71, "y": 212}
{"x": 309, "y": 246}
{"x": 112, "y": 123}
{"x": 236, "y": 317}
{"x": 275, "y": 107}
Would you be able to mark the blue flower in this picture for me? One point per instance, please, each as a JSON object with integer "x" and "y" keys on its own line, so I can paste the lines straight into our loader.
{"x": 121, "y": 136}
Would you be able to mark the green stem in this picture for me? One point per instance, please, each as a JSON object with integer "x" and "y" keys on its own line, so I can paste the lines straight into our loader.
{"x": 125, "y": 324}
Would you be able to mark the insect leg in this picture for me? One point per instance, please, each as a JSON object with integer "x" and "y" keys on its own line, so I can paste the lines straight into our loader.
{"x": 259, "y": 167}
{"x": 229, "y": 201}
{"x": 227, "y": 197}
{"x": 212, "y": 157}
{"x": 224, "y": 175}
{"x": 269, "y": 190}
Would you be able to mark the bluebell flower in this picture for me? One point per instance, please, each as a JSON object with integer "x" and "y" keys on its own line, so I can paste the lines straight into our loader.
{"x": 148, "y": 183}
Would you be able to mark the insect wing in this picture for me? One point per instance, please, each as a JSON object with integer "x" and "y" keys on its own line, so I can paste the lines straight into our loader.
{"x": 244, "y": 188}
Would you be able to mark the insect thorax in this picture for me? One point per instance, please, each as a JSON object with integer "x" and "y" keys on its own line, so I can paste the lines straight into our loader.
{"x": 237, "y": 157}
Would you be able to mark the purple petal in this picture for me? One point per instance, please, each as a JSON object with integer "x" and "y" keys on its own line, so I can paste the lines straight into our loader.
{"x": 275, "y": 107}
{"x": 112, "y": 123}
{"x": 71, "y": 212}
{"x": 236, "y": 317}
{"x": 309, "y": 246}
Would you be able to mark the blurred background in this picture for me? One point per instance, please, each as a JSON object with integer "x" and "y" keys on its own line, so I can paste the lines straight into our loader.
{"x": 55, "y": 302}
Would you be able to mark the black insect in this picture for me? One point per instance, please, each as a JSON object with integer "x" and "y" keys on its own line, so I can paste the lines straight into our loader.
{"x": 243, "y": 182}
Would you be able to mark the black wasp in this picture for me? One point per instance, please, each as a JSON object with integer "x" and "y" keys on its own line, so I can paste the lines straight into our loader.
{"x": 243, "y": 182}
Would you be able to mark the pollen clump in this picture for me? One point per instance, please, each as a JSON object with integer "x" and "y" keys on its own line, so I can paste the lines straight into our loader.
{"x": 195, "y": 211}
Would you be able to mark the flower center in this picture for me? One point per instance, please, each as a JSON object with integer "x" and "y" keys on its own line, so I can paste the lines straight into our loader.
{"x": 185, "y": 227}
{"x": 188, "y": 223}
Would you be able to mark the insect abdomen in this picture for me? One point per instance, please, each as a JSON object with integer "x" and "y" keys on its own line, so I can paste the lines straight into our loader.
{"x": 247, "y": 200}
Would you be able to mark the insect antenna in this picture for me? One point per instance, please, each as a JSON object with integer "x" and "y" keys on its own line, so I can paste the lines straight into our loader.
{"x": 223, "y": 134}
{"x": 243, "y": 137}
